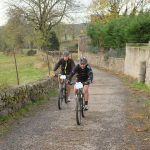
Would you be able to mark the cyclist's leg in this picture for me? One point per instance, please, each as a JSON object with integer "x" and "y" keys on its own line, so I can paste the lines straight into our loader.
{"x": 68, "y": 89}
{"x": 86, "y": 92}
{"x": 68, "y": 92}
{"x": 75, "y": 91}
{"x": 86, "y": 95}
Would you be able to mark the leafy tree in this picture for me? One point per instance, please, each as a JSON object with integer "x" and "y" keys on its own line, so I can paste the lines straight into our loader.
{"x": 15, "y": 30}
{"x": 52, "y": 42}
{"x": 115, "y": 33}
{"x": 138, "y": 29}
{"x": 3, "y": 45}
{"x": 97, "y": 33}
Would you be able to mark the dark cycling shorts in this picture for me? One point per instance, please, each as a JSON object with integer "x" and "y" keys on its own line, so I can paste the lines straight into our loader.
{"x": 84, "y": 82}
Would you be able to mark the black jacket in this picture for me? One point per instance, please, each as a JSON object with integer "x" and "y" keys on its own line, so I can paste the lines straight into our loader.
{"x": 82, "y": 74}
{"x": 66, "y": 66}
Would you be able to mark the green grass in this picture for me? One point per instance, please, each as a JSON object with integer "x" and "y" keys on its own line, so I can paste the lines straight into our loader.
{"x": 52, "y": 92}
{"x": 140, "y": 86}
{"x": 29, "y": 67}
{"x": 147, "y": 103}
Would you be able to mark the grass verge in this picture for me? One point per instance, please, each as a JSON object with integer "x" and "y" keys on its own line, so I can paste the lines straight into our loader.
{"x": 141, "y": 87}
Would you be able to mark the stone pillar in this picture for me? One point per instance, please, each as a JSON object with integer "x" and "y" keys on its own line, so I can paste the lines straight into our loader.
{"x": 142, "y": 72}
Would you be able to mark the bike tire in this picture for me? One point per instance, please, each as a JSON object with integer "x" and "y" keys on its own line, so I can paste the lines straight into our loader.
{"x": 78, "y": 111}
{"x": 65, "y": 95}
{"x": 60, "y": 99}
{"x": 81, "y": 105}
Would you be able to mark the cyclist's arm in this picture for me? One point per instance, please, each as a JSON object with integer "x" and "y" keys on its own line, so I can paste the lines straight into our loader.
{"x": 90, "y": 73}
{"x": 57, "y": 65}
{"x": 74, "y": 71}
{"x": 72, "y": 64}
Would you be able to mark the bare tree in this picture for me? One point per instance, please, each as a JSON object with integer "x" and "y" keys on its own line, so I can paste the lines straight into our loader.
{"x": 44, "y": 14}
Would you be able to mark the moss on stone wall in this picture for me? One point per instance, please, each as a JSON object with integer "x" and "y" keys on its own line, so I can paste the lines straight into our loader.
{"x": 13, "y": 99}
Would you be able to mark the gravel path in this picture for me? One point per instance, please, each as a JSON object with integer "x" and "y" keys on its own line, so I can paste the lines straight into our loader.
{"x": 105, "y": 126}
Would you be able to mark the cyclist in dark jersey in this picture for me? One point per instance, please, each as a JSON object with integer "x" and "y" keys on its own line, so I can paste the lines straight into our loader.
{"x": 66, "y": 64}
{"x": 84, "y": 74}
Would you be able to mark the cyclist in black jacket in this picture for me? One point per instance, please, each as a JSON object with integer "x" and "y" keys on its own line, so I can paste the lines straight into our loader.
{"x": 67, "y": 64}
{"x": 84, "y": 74}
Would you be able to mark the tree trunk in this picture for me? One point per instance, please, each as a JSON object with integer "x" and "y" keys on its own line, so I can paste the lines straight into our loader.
{"x": 48, "y": 63}
{"x": 17, "y": 74}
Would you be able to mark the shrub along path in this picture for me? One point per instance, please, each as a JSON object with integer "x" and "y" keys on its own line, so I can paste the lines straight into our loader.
{"x": 117, "y": 120}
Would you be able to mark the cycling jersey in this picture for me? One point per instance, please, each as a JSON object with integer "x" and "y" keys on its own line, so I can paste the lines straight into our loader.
{"x": 66, "y": 66}
{"x": 82, "y": 74}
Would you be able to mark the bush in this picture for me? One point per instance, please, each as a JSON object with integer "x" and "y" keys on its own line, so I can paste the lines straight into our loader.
{"x": 31, "y": 52}
{"x": 117, "y": 32}
{"x": 138, "y": 30}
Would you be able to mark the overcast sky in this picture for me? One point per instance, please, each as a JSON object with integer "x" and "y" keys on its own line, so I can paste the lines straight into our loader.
{"x": 80, "y": 17}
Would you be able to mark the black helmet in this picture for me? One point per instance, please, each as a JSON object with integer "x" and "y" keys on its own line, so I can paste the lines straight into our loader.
{"x": 83, "y": 60}
{"x": 66, "y": 54}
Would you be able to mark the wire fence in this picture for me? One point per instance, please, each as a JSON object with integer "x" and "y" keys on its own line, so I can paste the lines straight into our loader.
{"x": 29, "y": 68}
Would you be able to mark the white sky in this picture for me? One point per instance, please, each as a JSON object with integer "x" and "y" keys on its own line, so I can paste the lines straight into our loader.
{"x": 3, "y": 7}
{"x": 79, "y": 17}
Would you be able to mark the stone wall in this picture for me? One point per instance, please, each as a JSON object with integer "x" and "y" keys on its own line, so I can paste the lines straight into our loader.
{"x": 14, "y": 98}
{"x": 98, "y": 60}
{"x": 148, "y": 73}
{"x": 134, "y": 57}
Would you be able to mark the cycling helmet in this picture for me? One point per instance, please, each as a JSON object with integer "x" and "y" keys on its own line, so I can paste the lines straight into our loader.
{"x": 83, "y": 60}
{"x": 66, "y": 54}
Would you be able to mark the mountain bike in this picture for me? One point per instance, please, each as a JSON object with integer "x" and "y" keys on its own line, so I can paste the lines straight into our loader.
{"x": 62, "y": 90}
{"x": 79, "y": 102}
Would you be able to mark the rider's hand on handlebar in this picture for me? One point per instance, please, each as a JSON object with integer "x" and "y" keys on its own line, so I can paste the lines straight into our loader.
{"x": 68, "y": 81}
{"x": 55, "y": 74}
{"x": 89, "y": 81}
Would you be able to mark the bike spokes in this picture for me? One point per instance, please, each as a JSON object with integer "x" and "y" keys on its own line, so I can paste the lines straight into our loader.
{"x": 60, "y": 100}
{"x": 65, "y": 95}
{"x": 82, "y": 111}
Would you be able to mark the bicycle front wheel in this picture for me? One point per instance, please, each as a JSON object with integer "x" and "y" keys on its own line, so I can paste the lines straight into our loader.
{"x": 60, "y": 99}
{"x": 78, "y": 111}
{"x": 65, "y": 95}
{"x": 81, "y": 105}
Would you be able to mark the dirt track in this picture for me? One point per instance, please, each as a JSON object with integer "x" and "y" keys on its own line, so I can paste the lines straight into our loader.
{"x": 106, "y": 126}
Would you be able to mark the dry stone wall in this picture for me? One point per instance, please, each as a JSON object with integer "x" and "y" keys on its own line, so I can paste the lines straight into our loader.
{"x": 13, "y": 99}
{"x": 98, "y": 60}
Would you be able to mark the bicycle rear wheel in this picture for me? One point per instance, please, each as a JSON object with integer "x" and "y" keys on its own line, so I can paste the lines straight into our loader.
{"x": 60, "y": 99}
{"x": 78, "y": 111}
